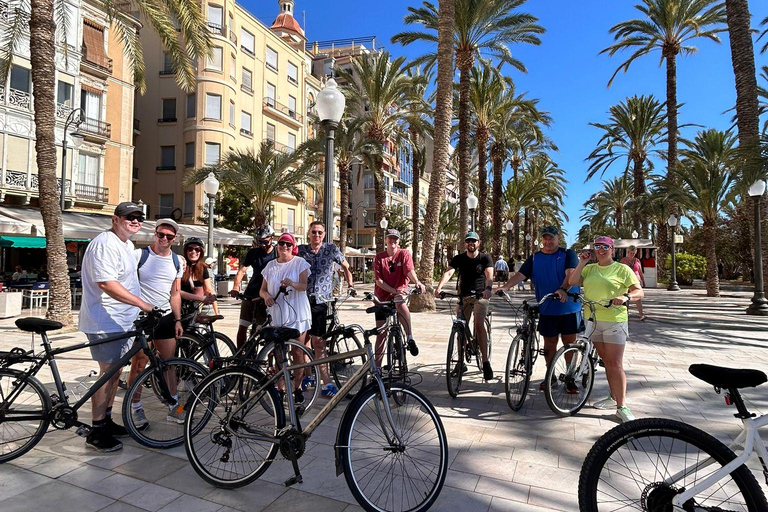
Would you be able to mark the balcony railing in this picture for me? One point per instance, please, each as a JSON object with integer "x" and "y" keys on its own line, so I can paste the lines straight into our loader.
{"x": 246, "y": 88}
{"x": 282, "y": 148}
{"x": 96, "y": 127}
{"x": 19, "y": 99}
{"x": 5, "y": 12}
{"x": 102, "y": 63}
{"x": 288, "y": 228}
{"x": 91, "y": 193}
{"x": 246, "y": 132}
{"x": 283, "y": 109}
{"x": 17, "y": 179}
{"x": 215, "y": 28}
{"x": 62, "y": 110}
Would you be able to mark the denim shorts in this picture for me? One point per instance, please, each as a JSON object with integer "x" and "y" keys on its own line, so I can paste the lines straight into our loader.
{"x": 112, "y": 351}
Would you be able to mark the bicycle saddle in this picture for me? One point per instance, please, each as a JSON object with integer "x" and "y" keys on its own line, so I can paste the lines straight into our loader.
{"x": 207, "y": 319}
{"x": 37, "y": 325}
{"x": 380, "y": 307}
{"x": 727, "y": 378}
{"x": 272, "y": 334}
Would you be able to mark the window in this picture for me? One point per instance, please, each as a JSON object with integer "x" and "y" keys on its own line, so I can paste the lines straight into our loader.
{"x": 90, "y": 102}
{"x": 167, "y": 64}
{"x": 247, "y": 43}
{"x": 293, "y": 73}
{"x": 368, "y": 181}
{"x": 191, "y": 105}
{"x": 166, "y": 205}
{"x": 271, "y": 60}
{"x": 64, "y": 94}
{"x": 271, "y": 132}
{"x": 169, "y": 110}
{"x": 290, "y": 218}
{"x": 292, "y": 106}
{"x": 232, "y": 113}
{"x": 271, "y": 93}
{"x": 212, "y": 153}
{"x": 215, "y": 19}
{"x": 19, "y": 78}
{"x": 232, "y": 66}
{"x": 215, "y": 58}
{"x": 189, "y": 204}
{"x": 245, "y": 123}
{"x": 88, "y": 169}
{"x": 189, "y": 154}
{"x": 167, "y": 158}
{"x": 292, "y": 141}
{"x": 213, "y": 106}
{"x": 246, "y": 80}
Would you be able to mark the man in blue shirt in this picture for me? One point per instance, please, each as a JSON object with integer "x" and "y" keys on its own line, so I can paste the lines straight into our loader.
{"x": 549, "y": 269}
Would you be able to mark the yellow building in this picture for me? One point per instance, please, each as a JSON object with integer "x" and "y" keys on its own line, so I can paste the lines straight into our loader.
{"x": 254, "y": 87}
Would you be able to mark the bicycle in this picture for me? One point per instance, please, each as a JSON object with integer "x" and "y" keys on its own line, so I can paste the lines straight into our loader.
{"x": 200, "y": 341}
{"x": 27, "y": 408}
{"x": 658, "y": 464}
{"x": 380, "y": 443}
{"x": 462, "y": 344}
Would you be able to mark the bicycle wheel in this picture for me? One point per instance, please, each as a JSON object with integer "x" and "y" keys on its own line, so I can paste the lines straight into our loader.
{"x": 643, "y": 464}
{"x": 399, "y": 373}
{"x": 191, "y": 345}
{"x": 454, "y": 367}
{"x": 490, "y": 335}
{"x": 165, "y": 418}
{"x": 344, "y": 369}
{"x": 225, "y": 346}
{"x": 225, "y": 452}
{"x": 393, "y": 477}
{"x": 24, "y": 409}
{"x": 517, "y": 375}
{"x": 293, "y": 348}
{"x": 569, "y": 379}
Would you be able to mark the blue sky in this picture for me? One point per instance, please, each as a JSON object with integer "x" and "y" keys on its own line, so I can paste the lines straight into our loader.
{"x": 565, "y": 72}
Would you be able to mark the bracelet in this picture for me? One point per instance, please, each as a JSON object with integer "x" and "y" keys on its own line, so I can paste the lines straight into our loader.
{"x": 177, "y": 320}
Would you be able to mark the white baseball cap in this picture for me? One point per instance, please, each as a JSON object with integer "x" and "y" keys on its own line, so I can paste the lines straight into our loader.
{"x": 168, "y": 222}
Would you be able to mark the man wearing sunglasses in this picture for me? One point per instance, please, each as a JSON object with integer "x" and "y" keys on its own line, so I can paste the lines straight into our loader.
{"x": 262, "y": 252}
{"x": 111, "y": 303}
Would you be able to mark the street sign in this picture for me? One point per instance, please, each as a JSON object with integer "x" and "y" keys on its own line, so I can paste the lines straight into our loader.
{"x": 678, "y": 239}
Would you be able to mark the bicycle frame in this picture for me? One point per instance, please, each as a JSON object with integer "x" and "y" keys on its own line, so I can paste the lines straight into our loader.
{"x": 751, "y": 441}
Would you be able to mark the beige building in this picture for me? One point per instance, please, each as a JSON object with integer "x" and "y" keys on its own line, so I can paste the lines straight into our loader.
{"x": 255, "y": 86}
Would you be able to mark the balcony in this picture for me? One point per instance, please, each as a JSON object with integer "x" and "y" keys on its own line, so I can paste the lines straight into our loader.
{"x": 91, "y": 193}
{"x": 283, "y": 111}
{"x": 16, "y": 98}
{"x": 5, "y": 12}
{"x": 166, "y": 168}
{"x": 215, "y": 28}
{"x": 97, "y": 64}
{"x": 293, "y": 80}
{"x": 18, "y": 180}
{"x": 93, "y": 128}
{"x": 62, "y": 111}
{"x": 282, "y": 148}
{"x": 288, "y": 228}
{"x": 245, "y": 132}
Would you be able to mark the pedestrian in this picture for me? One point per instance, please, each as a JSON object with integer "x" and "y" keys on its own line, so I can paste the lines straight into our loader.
{"x": 196, "y": 284}
{"x": 111, "y": 302}
{"x": 518, "y": 262}
{"x": 633, "y": 263}
{"x": 502, "y": 269}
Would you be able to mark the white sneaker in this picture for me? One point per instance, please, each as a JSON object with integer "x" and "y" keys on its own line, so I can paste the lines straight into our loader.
{"x": 140, "y": 419}
{"x": 605, "y": 403}
{"x": 176, "y": 414}
{"x": 624, "y": 414}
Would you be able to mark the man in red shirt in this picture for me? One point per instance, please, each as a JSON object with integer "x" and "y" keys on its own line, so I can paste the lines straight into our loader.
{"x": 392, "y": 270}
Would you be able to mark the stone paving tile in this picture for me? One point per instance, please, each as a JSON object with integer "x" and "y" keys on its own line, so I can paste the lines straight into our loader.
{"x": 117, "y": 486}
{"x": 251, "y": 498}
{"x": 299, "y": 501}
{"x": 190, "y": 503}
{"x": 503, "y": 489}
{"x": 57, "y": 467}
{"x": 119, "y": 506}
{"x": 552, "y": 499}
{"x": 151, "y": 497}
{"x": 14, "y": 481}
{"x": 451, "y": 500}
{"x": 532, "y": 474}
{"x": 86, "y": 476}
{"x": 57, "y": 496}
{"x": 459, "y": 480}
{"x": 152, "y": 466}
{"x": 186, "y": 481}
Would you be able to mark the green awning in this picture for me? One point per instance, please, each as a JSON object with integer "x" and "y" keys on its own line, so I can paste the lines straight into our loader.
{"x": 31, "y": 242}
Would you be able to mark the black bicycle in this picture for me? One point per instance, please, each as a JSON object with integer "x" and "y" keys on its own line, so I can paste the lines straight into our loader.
{"x": 27, "y": 408}
{"x": 201, "y": 341}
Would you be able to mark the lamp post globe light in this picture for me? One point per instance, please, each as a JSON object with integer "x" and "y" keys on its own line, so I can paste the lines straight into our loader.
{"x": 75, "y": 117}
{"x": 210, "y": 187}
{"x": 472, "y": 205}
{"x": 634, "y": 234}
{"x": 759, "y": 305}
{"x": 330, "y": 107}
{"x": 673, "y": 287}
{"x": 509, "y": 227}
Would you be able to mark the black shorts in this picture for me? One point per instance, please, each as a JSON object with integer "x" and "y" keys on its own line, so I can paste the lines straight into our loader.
{"x": 319, "y": 319}
{"x": 251, "y": 312}
{"x": 165, "y": 329}
{"x": 550, "y": 326}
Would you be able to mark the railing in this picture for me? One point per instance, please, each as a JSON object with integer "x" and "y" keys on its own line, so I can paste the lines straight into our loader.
{"x": 288, "y": 228}
{"x": 246, "y": 88}
{"x": 96, "y": 127}
{"x": 17, "y": 179}
{"x": 343, "y": 43}
{"x": 215, "y": 28}
{"x": 312, "y": 110}
{"x": 166, "y": 168}
{"x": 91, "y": 193}
{"x": 62, "y": 110}
{"x": 4, "y": 12}
{"x": 283, "y": 109}
{"x": 102, "y": 63}
{"x": 282, "y": 148}
{"x": 19, "y": 99}
{"x": 2, "y": 94}
{"x": 247, "y": 50}
{"x": 293, "y": 80}
{"x": 246, "y": 132}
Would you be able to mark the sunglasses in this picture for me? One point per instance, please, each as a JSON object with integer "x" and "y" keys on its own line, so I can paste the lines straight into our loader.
{"x": 285, "y": 244}
{"x": 167, "y": 236}
{"x": 391, "y": 266}
{"x": 470, "y": 241}
{"x": 194, "y": 249}
{"x": 262, "y": 242}
{"x": 318, "y": 232}
{"x": 603, "y": 247}
{"x": 131, "y": 218}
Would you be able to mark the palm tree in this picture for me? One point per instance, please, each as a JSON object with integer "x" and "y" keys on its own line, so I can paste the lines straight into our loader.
{"x": 47, "y": 27}
{"x": 610, "y": 206}
{"x": 261, "y": 177}
{"x": 543, "y": 174}
{"x": 480, "y": 27}
{"x": 634, "y": 129}
{"x": 375, "y": 85}
{"x": 703, "y": 188}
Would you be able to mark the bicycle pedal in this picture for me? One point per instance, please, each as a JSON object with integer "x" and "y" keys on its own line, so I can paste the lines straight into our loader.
{"x": 295, "y": 479}
{"x": 83, "y": 430}
{"x": 601, "y": 363}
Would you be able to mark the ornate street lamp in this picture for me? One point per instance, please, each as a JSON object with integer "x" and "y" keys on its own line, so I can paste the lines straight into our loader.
{"x": 527, "y": 245}
{"x": 759, "y": 304}
{"x": 673, "y": 287}
{"x": 330, "y": 107}
{"x": 472, "y": 205}
{"x": 210, "y": 187}
{"x": 509, "y": 227}
{"x": 634, "y": 234}
{"x": 75, "y": 117}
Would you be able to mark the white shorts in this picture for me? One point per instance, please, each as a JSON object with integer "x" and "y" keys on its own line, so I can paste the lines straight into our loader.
{"x": 608, "y": 332}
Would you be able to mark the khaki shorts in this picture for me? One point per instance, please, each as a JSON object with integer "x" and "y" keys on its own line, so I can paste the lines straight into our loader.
{"x": 608, "y": 332}
{"x": 477, "y": 306}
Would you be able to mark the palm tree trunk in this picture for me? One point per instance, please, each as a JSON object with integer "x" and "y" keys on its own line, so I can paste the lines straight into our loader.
{"x": 482, "y": 175}
{"x": 464, "y": 61}
{"x": 671, "y": 59}
{"x": 638, "y": 182}
{"x": 527, "y": 231}
{"x": 42, "y": 31}
{"x": 662, "y": 243}
{"x": 344, "y": 207}
{"x": 443, "y": 114}
{"x": 381, "y": 201}
{"x": 516, "y": 219}
{"x": 498, "y": 169}
{"x": 619, "y": 216}
{"x": 415, "y": 199}
{"x": 713, "y": 281}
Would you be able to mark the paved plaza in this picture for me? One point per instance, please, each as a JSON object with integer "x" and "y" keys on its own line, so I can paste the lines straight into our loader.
{"x": 499, "y": 460}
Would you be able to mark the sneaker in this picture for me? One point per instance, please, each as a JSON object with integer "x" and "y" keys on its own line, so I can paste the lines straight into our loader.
{"x": 487, "y": 371}
{"x": 122, "y": 384}
{"x": 114, "y": 429}
{"x": 329, "y": 391}
{"x": 307, "y": 382}
{"x": 140, "y": 419}
{"x": 571, "y": 388}
{"x": 463, "y": 370}
{"x": 624, "y": 414}
{"x": 100, "y": 440}
{"x": 644, "y": 318}
{"x": 605, "y": 403}
{"x": 543, "y": 384}
{"x": 298, "y": 396}
{"x": 176, "y": 414}
{"x": 412, "y": 348}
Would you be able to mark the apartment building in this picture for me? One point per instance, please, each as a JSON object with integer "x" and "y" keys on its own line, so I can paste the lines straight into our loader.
{"x": 254, "y": 86}
{"x": 92, "y": 75}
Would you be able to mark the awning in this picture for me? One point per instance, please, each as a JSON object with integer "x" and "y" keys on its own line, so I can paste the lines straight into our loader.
{"x": 25, "y": 242}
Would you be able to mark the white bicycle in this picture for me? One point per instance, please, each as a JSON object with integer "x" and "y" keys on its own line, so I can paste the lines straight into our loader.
{"x": 662, "y": 465}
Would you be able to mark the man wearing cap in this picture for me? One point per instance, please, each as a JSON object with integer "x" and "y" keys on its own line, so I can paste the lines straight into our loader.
{"x": 392, "y": 271}
{"x": 502, "y": 269}
{"x": 475, "y": 278}
{"x": 548, "y": 270}
{"x": 111, "y": 303}
{"x": 257, "y": 257}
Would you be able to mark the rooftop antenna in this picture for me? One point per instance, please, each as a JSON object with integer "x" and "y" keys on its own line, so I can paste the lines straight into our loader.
{"x": 304, "y": 20}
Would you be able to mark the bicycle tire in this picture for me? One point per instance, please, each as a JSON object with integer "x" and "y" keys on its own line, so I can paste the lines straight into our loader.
{"x": 362, "y": 439}
{"x": 32, "y": 400}
{"x": 400, "y": 373}
{"x": 190, "y": 346}
{"x": 655, "y": 493}
{"x": 454, "y": 362}
{"x": 265, "y": 357}
{"x": 517, "y": 376}
{"x": 207, "y": 447}
{"x": 224, "y": 344}
{"x": 488, "y": 329}
{"x": 563, "y": 374}
{"x": 344, "y": 369}
{"x": 164, "y": 430}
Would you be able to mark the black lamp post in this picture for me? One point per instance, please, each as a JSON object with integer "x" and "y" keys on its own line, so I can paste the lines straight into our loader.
{"x": 509, "y": 227}
{"x": 759, "y": 304}
{"x": 75, "y": 117}
{"x": 210, "y": 187}
{"x": 330, "y": 107}
{"x": 673, "y": 287}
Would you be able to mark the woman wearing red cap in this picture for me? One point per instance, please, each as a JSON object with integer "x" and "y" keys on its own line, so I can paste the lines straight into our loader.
{"x": 608, "y": 279}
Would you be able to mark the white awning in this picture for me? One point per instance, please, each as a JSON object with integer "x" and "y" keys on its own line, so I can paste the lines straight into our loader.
{"x": 13, "y": 226}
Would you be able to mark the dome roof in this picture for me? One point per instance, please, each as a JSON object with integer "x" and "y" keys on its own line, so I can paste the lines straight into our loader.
{"x": 285, "y": 21}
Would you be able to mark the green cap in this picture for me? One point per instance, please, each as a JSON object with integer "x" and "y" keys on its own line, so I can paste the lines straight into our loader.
{"x": 550, "y": 230}
{"x": 471, "y": 236}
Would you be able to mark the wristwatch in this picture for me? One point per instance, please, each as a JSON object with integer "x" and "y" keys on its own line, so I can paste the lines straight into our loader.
{"x": 628, "y": 297}
{"x": 177, "y": 319}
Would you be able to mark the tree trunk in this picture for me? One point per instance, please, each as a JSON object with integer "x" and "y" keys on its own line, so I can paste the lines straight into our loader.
{"x": 344, "y": 207}
{"x": 527, "y": 232}
{"x": 415, "y": 199}
{"x": 764, "y": 240}
{"x": 381, "y": 201}
{"x": 443, "y": 115}
{"x": 498, "y": 169}
{"x": 515, "y": 164}
{"x": 713, "y": 281}
{"x": 482, "y": 175}
{"x": 670, "y": 56}
{"x": 662, "y": 245}
{"x": 464, "y": 61}
{"x": 638, "y": 182}
{"x": 619, "y": 216}
{"x": 42, "y": 31}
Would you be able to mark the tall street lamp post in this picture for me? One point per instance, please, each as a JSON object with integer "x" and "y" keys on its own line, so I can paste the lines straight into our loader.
{"x": 759, "y": 304}
{"x": 330, "y": 107}
{"x": 472, "y": 205}
{"x": 210, "y": 187}
{"x": 363, "y": 205}
{"x": 673, "y": 287}
{"x": 384, "y": 223}
{"x": 509, "y": 227}
{"x": 75, "y": 117}
{"x": 527, "y": 245}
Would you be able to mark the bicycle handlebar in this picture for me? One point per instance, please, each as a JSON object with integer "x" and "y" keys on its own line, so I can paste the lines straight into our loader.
{"x": 281, "y": 291}
{"x": 370, "y": 296}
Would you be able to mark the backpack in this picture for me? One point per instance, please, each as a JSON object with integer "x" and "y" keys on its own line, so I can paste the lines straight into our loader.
{"x": 145, "y": 257}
